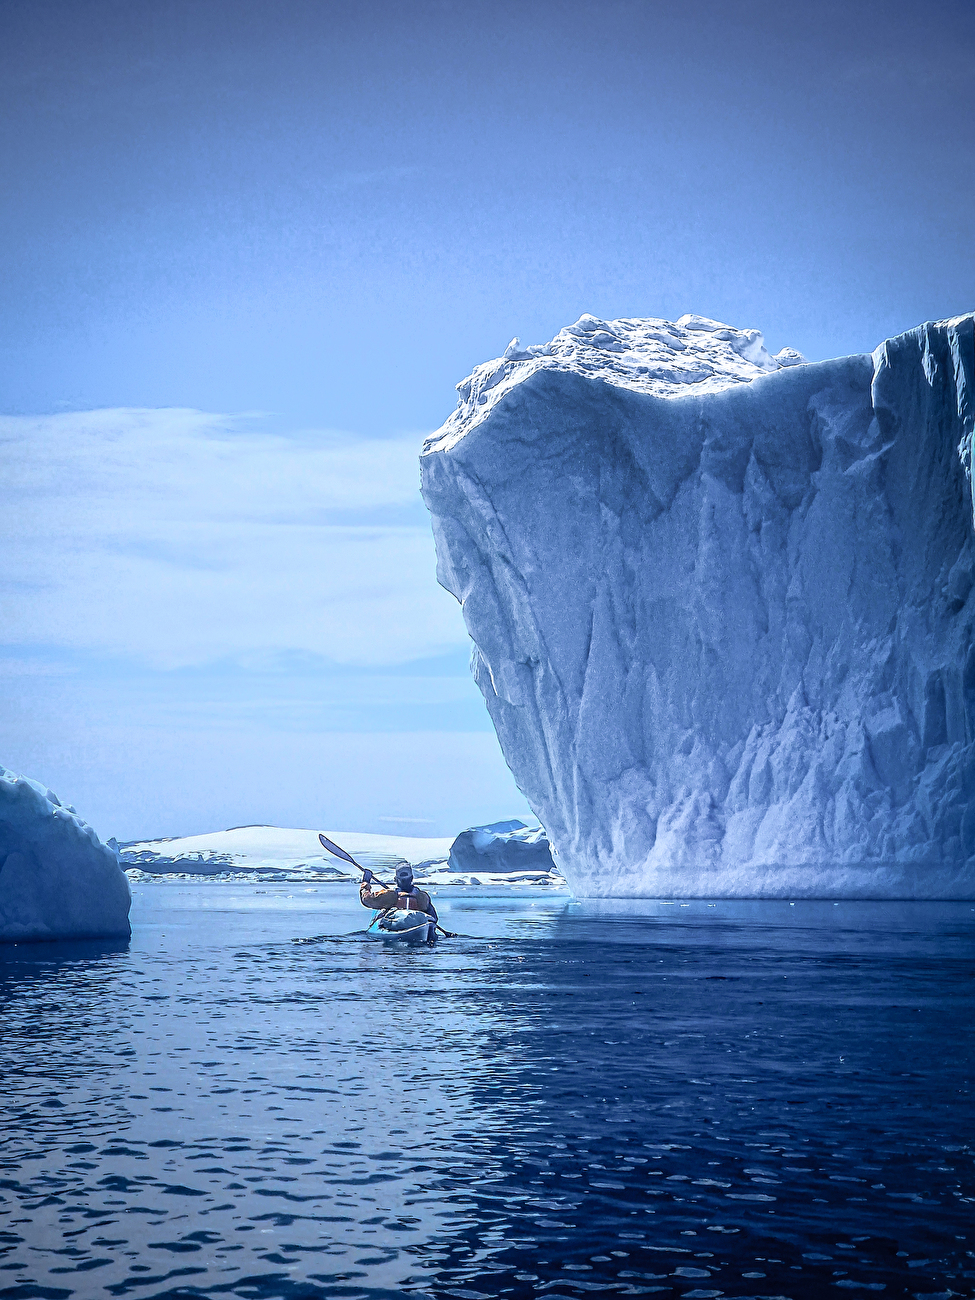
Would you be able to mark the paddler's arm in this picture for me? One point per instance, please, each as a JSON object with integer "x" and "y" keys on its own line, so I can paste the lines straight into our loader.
{"x": 430, "y": 909}
{"x": 377, "y": 899}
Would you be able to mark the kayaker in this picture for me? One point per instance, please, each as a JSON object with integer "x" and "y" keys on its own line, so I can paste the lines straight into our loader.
{"x": 405, "y": 896}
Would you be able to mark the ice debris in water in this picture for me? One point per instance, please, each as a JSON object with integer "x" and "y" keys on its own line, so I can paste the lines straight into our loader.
{"x": 57, "y": 879}
{"x": 722, "y": 604}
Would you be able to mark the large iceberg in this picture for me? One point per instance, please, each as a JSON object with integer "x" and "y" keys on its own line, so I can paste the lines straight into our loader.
{"x": 57, "y": 879}
{"x": 722, "y": 604}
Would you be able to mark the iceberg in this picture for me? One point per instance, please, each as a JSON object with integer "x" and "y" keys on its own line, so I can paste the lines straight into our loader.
{"x": 57, "y": 879}
{"x": 721, "y": 604}
{"x": 502, "y": 847}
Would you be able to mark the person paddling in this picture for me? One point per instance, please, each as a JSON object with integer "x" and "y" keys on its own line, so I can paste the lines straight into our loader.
{"x": 406, "y": 896}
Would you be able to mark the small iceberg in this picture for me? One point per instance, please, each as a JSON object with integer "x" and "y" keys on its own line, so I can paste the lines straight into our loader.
{"x": 57, "y": 879}
{"x": 501, "y": 847}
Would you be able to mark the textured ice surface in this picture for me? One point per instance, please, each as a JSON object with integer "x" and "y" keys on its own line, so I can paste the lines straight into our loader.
{"x": 57, "y": 879}
{"x": 646, "y": 356}
{"x": 501, "y": 847}
{"x": 722, "y": 605}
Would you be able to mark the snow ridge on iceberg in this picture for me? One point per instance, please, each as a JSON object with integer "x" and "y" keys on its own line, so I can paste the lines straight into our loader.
{"x": 724, "y": 618}
{"x": 646, "y": 356}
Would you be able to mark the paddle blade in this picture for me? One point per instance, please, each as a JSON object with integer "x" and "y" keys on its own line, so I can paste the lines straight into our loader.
{"x": 339, "y": 853}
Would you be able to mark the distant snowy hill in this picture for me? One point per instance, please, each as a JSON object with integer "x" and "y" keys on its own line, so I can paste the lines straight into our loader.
{"x": 275, "y": 853}
{"x": 276, "y": 848}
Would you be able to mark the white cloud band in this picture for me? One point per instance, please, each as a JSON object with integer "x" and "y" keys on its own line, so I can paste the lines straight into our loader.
{"x": 180, "y": 537}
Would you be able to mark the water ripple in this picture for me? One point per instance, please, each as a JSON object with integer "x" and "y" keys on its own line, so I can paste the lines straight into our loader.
{"x": 720, "y": 1106}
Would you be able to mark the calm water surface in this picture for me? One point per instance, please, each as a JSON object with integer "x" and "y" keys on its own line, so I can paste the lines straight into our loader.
{"x": 740, "y": 1099}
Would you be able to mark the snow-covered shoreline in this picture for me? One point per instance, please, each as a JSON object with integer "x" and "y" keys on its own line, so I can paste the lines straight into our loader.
{"x": 268, "y": 854}
{"x": 437, "y": 883}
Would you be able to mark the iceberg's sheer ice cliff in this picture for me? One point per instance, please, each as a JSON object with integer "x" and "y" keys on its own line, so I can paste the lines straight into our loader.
{"x": 722, "y": 604}
{"x": 57, "y": 879}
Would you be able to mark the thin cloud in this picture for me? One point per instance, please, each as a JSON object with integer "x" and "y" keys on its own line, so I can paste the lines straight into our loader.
{"x": 180, "y": 537}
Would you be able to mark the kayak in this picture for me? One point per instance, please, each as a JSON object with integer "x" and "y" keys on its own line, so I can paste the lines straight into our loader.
{"x": 403, "y": 926}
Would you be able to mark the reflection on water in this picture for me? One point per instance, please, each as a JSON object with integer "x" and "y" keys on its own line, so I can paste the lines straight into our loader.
{"x": 740, "y": 1099}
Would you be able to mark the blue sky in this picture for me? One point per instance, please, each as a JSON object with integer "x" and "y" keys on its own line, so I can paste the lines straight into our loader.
{"x": 248, "y": 249}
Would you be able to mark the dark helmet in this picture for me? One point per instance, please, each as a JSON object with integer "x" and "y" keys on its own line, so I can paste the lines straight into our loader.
{"x": 404, "y": 877}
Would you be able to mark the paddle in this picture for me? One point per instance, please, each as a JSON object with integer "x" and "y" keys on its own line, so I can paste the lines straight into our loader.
{"x": 347, "y": 857}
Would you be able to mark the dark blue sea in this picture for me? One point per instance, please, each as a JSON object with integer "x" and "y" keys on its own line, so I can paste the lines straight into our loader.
{"x": 700, "y": 1100}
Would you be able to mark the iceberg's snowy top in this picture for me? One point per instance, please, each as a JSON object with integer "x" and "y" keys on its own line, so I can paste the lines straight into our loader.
{"x": 665, "y": 358}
